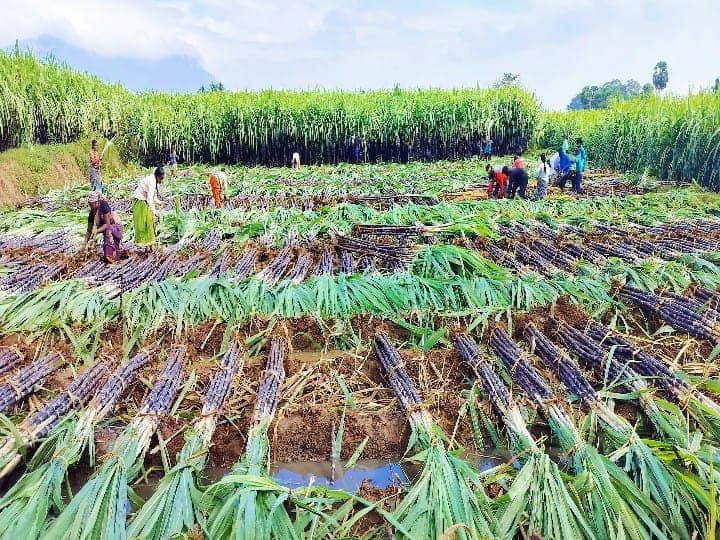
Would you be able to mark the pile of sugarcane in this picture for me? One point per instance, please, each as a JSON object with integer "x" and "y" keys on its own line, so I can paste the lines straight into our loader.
{"x": 706, "y": 297}
{"x": 503, "y": 258}
{"x": 98, "y": 510}
{"x": 38, "y": 424}
{"x": 10, "y": 358}
{"x": 212, "y": 240}
{"x": 584, "y": 252}
{"x": 56, "y": 242}
{"x": 326, "y": 263}
{"x": 221, "y": 264}
{"x": 274, "y": 271}
{"x": 30, "y": 277}
{"x": 530, "y": 257}
{"x": 301, "y": 269}
{"x": 246, "y": 264}
{"x": 675, "y": 312}
{"x": 374, "y": 249}
{"x": 24, "y": 383}
{"x": 27, "y": 504}
{"x": 554, "y": 255}
{"x": 175, "y": 507}
{"x": 347, "y": 263}
{"x": 418, "y": 229}
{"x": 621, "y": 251}
{"x": 539, "y": 502}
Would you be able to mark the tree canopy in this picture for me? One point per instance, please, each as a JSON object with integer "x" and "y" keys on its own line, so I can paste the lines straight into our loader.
{"x": 660, "y": 75}
{"x": 600, "y": 97}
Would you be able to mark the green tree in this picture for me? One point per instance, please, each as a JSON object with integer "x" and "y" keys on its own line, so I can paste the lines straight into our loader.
{"x": 508, "y": 79}
{"x": 647, "y": 89}
{"x": 660, "y": 75}
{"x": 716, "y": 86}
{"x": 600, "y": 97}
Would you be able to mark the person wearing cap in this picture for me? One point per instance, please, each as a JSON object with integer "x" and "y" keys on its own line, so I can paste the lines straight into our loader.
{"x": 145, "y": 207}
{"x": 218, "y": 187}
{"x": 107, "y": 223}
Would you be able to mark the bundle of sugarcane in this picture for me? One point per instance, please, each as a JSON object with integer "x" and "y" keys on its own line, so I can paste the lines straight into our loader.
{"x": 583, "y": 252}
{"x": 618, "y": 508}
{"x": 554, "y": 255}
{"x": 374, "y": 249}
{"x": 10, "y": 358}
{"x": 292, "y": 240}
{"x": 651, "y": 474}
{"x": 656, "y": 372}
{"x": 98, "y": 510}
{"x": 707, "y": 297}
{"x": 27, "y": 504}
{"x": 38, "y": 424}
{"x": 301, "y": 269}
{"x": 418, "y": 229}
{"x": 21, "y": 385}
{"x": 676, "y": 314}
{"x": 507, "y": 232}
{"x": 246, "y": 264}
{"x": 347, "y": 263}
{"x": 165, "y": 269}
{"x": 650, "y": 249}
{"x": 212, "y": 240}
{"x": 503, "y": 258}
{"x": 539, "y": 502}
{"x": 622, "y": 252}
{"x": 277, "y": 268}
{"x": 325, "y": 266}
{"x": 544, "y": 230}
{"x": 527, "y": 256}
{"x": 698, "y": 307}
{"x": 175, "y": 507}
{"x": 221, "y": 265}
{"x": 447, "y": 494}
{"x": 367, "y": 264}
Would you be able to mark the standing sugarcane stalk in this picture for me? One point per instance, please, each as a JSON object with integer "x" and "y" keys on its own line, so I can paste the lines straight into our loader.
{"x": 17, "y": 388}
{"x": 25, "y": 507}
{"x": 174, "y": 509}
{"x": 650, "y": 473}
{"x": 448, "y": 493}
{"x": 618, "y": 507}
{"x": 38, "y": 424}
{"x": 99, "y": 509}
{"x": 539, "y": 501}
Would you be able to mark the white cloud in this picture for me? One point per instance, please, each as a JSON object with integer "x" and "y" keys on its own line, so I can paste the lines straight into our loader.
{"x": 557, "y": 46}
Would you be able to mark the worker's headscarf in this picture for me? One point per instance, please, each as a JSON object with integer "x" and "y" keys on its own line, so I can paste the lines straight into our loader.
{"x": 94, "y": 196}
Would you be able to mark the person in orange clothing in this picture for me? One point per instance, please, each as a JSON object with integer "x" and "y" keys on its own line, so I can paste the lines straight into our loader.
{"x": 497, "y": 182}
{"x": 218, "y": 187}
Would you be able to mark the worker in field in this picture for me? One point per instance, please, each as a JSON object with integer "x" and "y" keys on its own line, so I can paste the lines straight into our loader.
{"x": 544, "y": 175}
{"x": 146, "y": 211}
{"x": 487, "y": 149}
{"x": 565, "y": 144}
{"x": 218, "y": 187}
{"x": 517, "y": 182}
{"x": 295, "y": 160}
{"x": 497, "y": 182}
{"x": 517, "y": 162}
{"x": 580, "y": 163}
{"x": 172, "y": 161}
{"x": 106, "y": 222}
{"x": 94, "y": 175}
{"x": 564, "y": 168}
{"x": 357, "y": 149}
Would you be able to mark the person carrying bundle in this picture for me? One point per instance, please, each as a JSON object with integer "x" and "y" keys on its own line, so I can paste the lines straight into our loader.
{"x": 94, "y": 175}
{"x": 145, "y": 207}
{"x": 497, "y": 180}
{"x": 107, "y": 223}
{"x": 218, "y": 187}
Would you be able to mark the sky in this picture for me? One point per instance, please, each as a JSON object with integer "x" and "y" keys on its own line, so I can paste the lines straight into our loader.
{"x": 556, "y": 46}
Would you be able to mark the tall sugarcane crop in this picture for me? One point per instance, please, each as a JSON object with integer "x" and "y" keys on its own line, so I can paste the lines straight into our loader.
{"x": 677, "y": 314}
{"x": 175, "y": 506}
{"x": 10, "y": 358}
{"x": 615, "y": 506}
{"x": 448, "y": 493}
{"x": 40, "y": 423}
{"x": 98, "y": 510}
{"x": 24, "y": 383}
{"x": 27, "y": 504}
{"x": 374, "y": 249}
{"x": 539, "y": 502}
{"x": 651, "y": 474}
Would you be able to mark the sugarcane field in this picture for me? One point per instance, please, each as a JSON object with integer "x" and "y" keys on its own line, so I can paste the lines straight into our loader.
{"x": 329, "y": 314}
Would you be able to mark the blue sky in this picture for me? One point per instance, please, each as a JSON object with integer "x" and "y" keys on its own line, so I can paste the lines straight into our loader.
{"x": 557, "y": 46}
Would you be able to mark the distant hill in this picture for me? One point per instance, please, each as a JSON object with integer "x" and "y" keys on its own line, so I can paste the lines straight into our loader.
{"x": 170, "y": 74}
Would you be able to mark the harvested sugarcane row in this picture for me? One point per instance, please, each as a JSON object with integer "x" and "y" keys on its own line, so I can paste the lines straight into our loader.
{"x": 301, "y": 269}
{"x": 363, "y": 229}
{"x": 221, "y": 382}
{"x": 527, "y": 256}
{"x": 167, "y": 268}
{"x": 676, "y": 314}
{"x": 10, "y": 358}
{"x": 120, "y": 467}
{"x": 106, "y": 399}
{"x": 38, "y": 425}
{"x": 367, "y": 264}
{"x": 382, "y": 251}
{"x": 23, "y": 384}
{"x": 503, "y": 258}
{"x": 394, "y": 368}
{"x": 544, "y": 231}
{"x": 347, "y": 262}
{"x": 615, "y": 250}
{"x": 707, "y": 297}
{"x": 325, "y": 266}
{"x": 269, "y": 390}
{"x": 691, "y": 303}
{"x": 497, "y": 392}
{"x": 277, "y": 268}
{"x": 221, "y": 265}
{"x": 583, "y": 252}
{"x": 292, "y": 240}
{"x": 561, "y": 364}
{"x": 507, "y": 232}
{"x": 517, "y": 365}
{"x": 212, "y": 240}
{"x": 556, "y": 256}
{"x": 246, "y": 264}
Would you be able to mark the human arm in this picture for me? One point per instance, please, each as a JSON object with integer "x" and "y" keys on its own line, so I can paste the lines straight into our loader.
{"x": 151, "y": 197}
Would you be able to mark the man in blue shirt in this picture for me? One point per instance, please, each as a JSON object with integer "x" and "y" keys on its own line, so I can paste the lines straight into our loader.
{"x": 580, "y": 162}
